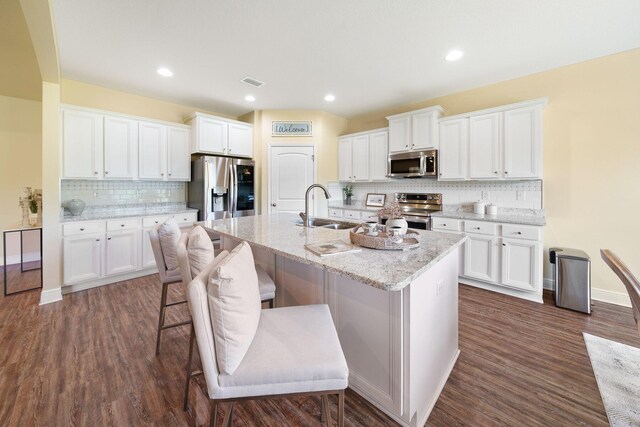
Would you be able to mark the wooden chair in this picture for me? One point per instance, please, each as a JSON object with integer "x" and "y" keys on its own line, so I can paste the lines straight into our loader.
{"x": 167, "y": 277}
{"x": 630, "y": 282}
{"x": 266, "y": 286}
{"x": 295, "y": 351}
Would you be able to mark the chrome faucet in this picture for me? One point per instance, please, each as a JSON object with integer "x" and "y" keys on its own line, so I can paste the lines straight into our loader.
{"x": 305, "y": 215}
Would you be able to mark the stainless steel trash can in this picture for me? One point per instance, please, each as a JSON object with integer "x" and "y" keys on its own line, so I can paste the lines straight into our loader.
{"x": 572, "y": 274}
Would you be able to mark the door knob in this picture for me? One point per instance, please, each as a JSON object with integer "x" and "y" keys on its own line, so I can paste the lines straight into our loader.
{"x": 273, "y": 204}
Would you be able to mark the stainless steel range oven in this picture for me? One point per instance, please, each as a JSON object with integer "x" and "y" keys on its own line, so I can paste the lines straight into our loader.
{"x": 417, "y": 208}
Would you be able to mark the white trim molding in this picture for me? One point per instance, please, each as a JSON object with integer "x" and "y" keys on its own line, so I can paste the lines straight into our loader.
{"x": 50, "y": 295}
{"x": 611, "y": 297}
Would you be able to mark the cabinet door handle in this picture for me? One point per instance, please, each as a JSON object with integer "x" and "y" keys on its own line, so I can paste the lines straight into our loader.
{"x": 519, "y": 232}
{"x": 95, "y": 173}
{"x": 156, "y": 222}
{"x": 161, "y": 173}
{"x": 97, "y": 240}
{"x": 229, "y": 149}
{"x": 108, "y": 238}
{"x": 82, "y": 229}
{"x": 506, "y": 173}
{"x": 504, "y": 244}
{"x": 273, "y": 204}
{"x": 106, "y": 172}
{"x": 444, "y": 225}
{"x": 169, "y": 174}
{"x": 406, "y": 145}
{"x": 121, "y": 225}
{"x": 496, "y": 172}
{"x": 477, "y": 228}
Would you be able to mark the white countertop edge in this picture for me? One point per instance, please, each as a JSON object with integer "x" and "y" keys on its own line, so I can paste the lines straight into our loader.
{"x": 81, "y": 218}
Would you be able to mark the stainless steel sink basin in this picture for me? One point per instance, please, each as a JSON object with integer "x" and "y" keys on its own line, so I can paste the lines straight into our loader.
{"x": 328, "y": 223}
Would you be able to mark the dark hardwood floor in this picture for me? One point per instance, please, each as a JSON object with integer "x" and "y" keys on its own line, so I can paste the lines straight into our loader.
{"x": 89, "y": 360}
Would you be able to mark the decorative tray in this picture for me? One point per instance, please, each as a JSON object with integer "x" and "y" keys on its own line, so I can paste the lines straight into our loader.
{"x": 383, "y": 241}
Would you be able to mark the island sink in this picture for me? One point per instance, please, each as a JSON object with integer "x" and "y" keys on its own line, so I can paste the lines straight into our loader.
{"x": 328, "y": 223}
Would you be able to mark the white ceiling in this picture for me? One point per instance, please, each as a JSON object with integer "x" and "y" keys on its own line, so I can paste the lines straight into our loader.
{"x": 371, "y": 54}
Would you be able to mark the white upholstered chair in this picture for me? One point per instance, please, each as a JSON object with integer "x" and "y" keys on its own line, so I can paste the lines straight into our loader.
{"x": 266, "y": 287}
{"x": 167, "y": 277}
{"x": 295, "y": 351}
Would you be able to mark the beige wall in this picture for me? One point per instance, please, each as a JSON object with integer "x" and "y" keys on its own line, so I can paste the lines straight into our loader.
{"x": 92, "y": 96}
{"x": 20, "y": 155}
{"x": 326, "y": 128}
{"x": 591, "y": 153}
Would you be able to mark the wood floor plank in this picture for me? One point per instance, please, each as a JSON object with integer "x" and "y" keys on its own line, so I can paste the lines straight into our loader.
{"x": 90, "y": 360}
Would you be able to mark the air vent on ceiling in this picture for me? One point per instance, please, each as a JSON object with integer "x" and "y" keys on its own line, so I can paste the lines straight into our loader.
{"x": 251, "y": 81}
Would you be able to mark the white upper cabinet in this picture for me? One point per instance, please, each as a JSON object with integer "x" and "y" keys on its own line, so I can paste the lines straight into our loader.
{"x": 399, "y": 134}
{"x": 152, "y": 141}
{"x": 178, "y": 154}
{"x": 503, "y": 143}
{"x": 523, "y": 142}
{"x": 363, "y": 156}
{"x": 360, "y": 158}
{"x": 454, "y": 148}
{"x": 415, "y": 130}
{"x": 378, "y": 154}
{"x": 120, "y": 148}
{"x": 103, "y": 145}
{"x": 344, "y": 159}
{"x": 240, "y": 140}
{"x": 484, "y": 146}
{"x": 82, "y": 141}
{"x": 217, "y": 135}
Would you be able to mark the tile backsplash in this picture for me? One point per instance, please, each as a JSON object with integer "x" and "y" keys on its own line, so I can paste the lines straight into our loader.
{"x": 508, "y": 194}
{"x": 109, "y": 193}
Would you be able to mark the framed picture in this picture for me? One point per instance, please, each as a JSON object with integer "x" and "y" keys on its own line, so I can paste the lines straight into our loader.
{"x": 376, "y": 200}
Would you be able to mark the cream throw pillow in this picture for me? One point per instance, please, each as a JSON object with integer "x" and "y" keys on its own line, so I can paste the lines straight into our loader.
{"x": 169, "y": 234}
{"x": 199, "y": 250}
{"x": 234, "y": 306}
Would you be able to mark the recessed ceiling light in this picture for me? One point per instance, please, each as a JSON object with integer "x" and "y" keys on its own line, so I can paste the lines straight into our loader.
{"x": 165, "y": 72}
{"x": 249, "y": 98}
{"x": 330, "y": 98}
{"x": 454, "y": 55}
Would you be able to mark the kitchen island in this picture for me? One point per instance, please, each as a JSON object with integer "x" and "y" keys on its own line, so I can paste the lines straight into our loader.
{"x": 396, "y": 312}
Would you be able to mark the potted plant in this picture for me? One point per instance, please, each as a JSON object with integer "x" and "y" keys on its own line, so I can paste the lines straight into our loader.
{"x": 33, "y": 209}
{"x": 348, "y": 193}
{"x": 394, "y": 216}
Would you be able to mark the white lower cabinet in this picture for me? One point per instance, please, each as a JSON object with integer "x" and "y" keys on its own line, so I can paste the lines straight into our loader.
{"x": 481, "y": 257}
{"x": 520, "y": 259}
{"x": 505, "y": 258}
{"x": 97, "y": 253}
{"x": 82, "y": 257}
{"x": 121, "y": 253}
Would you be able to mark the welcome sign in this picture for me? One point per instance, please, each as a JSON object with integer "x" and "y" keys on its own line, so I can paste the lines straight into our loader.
{"x": 291, "y": 128}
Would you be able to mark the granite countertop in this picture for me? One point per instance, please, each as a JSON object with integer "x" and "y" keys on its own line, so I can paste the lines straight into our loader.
{"x": 386, "y": 270}
{"x": 115, "y": 214}
{"x": 510, "y": 217}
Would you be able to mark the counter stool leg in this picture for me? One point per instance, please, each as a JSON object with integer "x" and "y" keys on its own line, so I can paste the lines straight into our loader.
{"x": 189, "y": 369}
{"x": 341, "y": 408}
{"x": 163, "y": 305}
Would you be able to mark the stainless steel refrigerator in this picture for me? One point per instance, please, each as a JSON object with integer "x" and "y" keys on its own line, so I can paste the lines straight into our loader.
{"x": 222, "y": 187}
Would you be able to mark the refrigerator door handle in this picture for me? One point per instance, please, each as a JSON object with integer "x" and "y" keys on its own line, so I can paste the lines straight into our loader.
{"x": 208, "y": 208}
{"x": 233, "y": 190}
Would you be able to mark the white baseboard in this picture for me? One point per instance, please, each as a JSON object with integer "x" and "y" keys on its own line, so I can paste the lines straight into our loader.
{"x": 611, "y": 297}
{"x": 618, "y": 298}
{"x": 77, "y": 287}
{"x": 50, "y": 295}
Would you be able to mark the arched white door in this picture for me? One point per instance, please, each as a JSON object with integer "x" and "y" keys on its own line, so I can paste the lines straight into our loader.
{"x": 291, "y": 172}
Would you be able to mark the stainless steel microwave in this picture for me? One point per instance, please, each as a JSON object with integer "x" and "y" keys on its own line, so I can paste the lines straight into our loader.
{"x": 413, "y": 164}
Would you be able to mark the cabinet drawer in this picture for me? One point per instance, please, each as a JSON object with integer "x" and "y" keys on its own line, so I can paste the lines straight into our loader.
{"x": 352, "y": 214}
{"x": 481, "y": 227}
{"x": 75, "y": 228}
{"x": 335, "y": 213}
{"x": 122, "y": 224}
{"x": 369, "y": 216}
{"x": 445, "y": 224}
{"x": 186, "y": 218}
{"x": 150, "y": 221}
{"x": 515, "y": 231}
